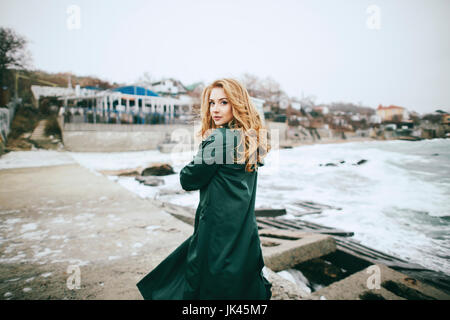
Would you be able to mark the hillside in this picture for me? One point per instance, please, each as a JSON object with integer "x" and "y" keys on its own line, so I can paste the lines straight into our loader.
{"x": 350, "y": 107}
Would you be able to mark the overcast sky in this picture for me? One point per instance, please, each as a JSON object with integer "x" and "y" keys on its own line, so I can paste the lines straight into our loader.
{"x": 368, "y": 52}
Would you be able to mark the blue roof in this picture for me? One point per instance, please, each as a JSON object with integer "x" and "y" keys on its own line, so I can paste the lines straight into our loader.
{"x": 92, "y": 88}
{"x": 136, "y": 90}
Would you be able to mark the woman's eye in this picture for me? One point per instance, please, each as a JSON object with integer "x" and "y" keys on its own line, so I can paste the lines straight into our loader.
{"x": 223, "y": 102}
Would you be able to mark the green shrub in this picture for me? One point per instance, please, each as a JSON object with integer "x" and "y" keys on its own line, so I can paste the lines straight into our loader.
{"x": 25, "y": 119}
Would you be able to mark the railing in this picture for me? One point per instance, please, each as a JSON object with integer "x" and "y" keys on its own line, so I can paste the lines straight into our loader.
{"x": 90, "y": 115}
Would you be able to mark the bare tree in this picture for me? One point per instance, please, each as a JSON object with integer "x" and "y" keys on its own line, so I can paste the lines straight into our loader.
{"x": 251, "y": 83}
{"x": 308, "y": 101}
{"x": 13, "y": 53}
{"x": 146, "y": 80}
{"x": 267, "y": 89}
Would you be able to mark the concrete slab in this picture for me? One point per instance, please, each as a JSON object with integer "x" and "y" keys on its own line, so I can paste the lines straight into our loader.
{"x": 391, "y": 285}
{"x": 57, "y": 218}
{"x": 283, "y": 249}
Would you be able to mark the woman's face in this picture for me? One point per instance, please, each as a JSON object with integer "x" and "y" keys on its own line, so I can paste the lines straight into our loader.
{"x": 220, "y": 107}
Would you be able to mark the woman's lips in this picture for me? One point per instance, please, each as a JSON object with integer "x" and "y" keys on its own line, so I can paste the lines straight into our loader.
{"x": 217, "y": 118}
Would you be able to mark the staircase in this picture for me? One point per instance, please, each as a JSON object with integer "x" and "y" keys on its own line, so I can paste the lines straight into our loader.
{"x": 41, "y": 141}
{"x": 38, "y": 133}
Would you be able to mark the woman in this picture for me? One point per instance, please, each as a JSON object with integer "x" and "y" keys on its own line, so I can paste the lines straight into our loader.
{"x": 223, "y": 257}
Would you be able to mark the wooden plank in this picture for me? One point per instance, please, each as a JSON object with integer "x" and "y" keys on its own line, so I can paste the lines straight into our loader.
{"x": 317, "y": 227}
{"x": 375, "y": 255}
{"x": 297, "y": 225}
{"x": 273, "y": 224}
{"x": 269, "y": 212}
{"x": 349, "y": 246}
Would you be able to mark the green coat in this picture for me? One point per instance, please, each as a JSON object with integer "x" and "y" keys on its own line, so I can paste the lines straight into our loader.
{"x": 222, "y": 259}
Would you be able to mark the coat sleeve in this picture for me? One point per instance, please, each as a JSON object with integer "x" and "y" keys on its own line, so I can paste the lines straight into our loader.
{"x": 197, "y": 173}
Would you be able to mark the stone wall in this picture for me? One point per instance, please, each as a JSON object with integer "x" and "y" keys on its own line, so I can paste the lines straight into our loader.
{"x": 90, "y": 137}
{"x": 101, "y": 137}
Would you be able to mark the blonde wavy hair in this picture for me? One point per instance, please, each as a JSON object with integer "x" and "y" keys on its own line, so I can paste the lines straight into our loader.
{"x": 255, "y": 137}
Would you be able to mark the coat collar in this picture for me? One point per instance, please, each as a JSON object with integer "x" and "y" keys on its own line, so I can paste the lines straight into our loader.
{"x": 226, "y": 125}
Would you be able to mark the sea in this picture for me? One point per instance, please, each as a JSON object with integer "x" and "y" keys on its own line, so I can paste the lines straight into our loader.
{"x": 396, "y": 201}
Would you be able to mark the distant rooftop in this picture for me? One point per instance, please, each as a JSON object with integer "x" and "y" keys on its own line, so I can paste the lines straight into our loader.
{"x": 141, "y": 91}
{"x": 380, "y": 107}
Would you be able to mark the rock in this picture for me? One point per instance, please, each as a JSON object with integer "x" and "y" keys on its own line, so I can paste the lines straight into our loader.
{"x": 329, "y": 164}
{"x": 121, "y": 172}
{"x": 166, "y": 147}
{"x": 360, "y": 162}
{"x": 128, "y": 173}
{"x": 165, "y": 192}
{"x": 153, "y": 182}
{"x": 296, "y": 277}
{"x": 283, "y": 289}
{"x": 162, "y": 169}
{"x": 150, "y": 181}
{"x": 139, "y": 178}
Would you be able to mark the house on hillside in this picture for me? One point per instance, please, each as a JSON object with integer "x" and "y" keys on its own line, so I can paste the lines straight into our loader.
{"x": 392, "y": 113}
{"x": 169, "y": 87}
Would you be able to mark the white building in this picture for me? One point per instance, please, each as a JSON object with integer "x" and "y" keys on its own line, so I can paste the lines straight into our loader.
{"x": 296, "y": 105}
{"x": 169, "y": 86}
{"x": 129, "y": 100}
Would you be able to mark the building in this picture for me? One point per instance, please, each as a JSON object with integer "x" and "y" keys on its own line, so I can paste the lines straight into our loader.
{"x": 392, "y": 113}
{"x": 169, "y": 87}
{"x": 375, "y": 119}
{"x": 321, "y": 109}
{"x": 296, "y": 105}
{"x": 129, "y": 104}
{"x": 47, "y": 91}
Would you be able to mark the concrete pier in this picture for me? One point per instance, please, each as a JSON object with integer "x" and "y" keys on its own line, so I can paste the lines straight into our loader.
{"x": 56, "y": 221}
